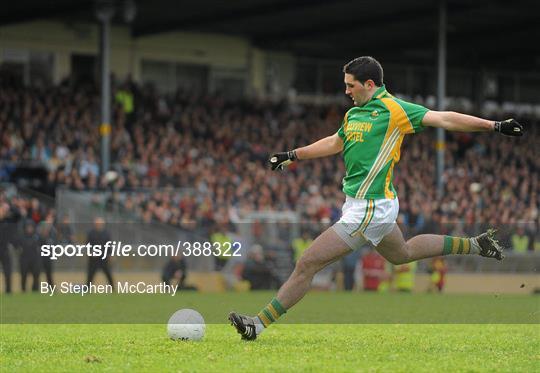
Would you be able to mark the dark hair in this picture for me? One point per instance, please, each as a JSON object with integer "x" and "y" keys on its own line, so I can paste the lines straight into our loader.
{"x": 364, "y": 68}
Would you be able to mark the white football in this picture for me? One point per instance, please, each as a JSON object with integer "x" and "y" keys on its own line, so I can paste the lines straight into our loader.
{"x": 186, "y": 325}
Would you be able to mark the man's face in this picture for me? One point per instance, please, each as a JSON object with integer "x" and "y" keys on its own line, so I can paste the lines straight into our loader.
{"x": 358, "y": 92}
{"x": 99, "y": 224}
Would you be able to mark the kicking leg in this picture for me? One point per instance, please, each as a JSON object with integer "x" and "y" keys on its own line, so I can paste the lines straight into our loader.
{"x": 326, "y": 249}
{"x": 394, "y": 248}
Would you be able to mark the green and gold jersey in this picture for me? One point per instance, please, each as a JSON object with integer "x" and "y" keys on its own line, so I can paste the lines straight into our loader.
{"x": 372, "y": 136}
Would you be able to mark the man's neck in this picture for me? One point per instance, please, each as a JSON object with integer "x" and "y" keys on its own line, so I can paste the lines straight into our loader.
{"x": 371, "y": 94}
{"x": 375, "y": 89}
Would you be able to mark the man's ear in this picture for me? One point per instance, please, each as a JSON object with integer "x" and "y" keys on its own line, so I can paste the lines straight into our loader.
{"x": 369, "y": 84}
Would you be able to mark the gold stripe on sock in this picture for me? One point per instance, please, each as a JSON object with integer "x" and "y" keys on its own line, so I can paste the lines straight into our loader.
{"x": 264, "y": 319}
{"x": 455, "y": 244}
{"x": 273, "y": 311}
{"x": 466, "y": 246}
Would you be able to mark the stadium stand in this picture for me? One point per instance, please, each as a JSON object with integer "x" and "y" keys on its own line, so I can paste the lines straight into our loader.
{"x": 219, "y": 148}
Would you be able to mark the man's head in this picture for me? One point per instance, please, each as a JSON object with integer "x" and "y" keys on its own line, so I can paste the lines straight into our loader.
{"x": 99, "y": 223}
{"x": 257, "y": 253}
{"x": 29, "y": 228}
{"x": 363, "y": 76}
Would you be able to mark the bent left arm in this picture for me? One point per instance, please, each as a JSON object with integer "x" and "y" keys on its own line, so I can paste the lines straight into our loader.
{"x": 453, "y": 121}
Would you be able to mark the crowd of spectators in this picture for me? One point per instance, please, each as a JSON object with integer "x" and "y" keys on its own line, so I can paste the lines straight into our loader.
{"x": 218, "y": 149}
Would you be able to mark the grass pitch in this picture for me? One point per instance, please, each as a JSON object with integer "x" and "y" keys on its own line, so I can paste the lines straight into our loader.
{"x": 353, "y": 346}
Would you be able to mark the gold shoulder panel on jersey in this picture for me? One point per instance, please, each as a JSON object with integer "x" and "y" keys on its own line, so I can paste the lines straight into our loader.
{"x": 398, "y": 114}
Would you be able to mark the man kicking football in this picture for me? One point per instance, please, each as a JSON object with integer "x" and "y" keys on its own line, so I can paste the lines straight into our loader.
{"x": 370, "y": 138}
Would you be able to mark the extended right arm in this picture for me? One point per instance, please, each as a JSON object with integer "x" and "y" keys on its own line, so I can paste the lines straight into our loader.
{"x": 327, "y": 146}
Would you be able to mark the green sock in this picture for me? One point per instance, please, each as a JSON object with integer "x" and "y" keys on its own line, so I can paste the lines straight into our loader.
{"x": 460, "y": 245}
{"x": 271, "y": 312}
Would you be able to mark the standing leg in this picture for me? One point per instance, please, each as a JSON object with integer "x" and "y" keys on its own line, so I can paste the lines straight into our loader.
{"x": 92, "y": 267}
{"x": 165, "y": 278}
{"x": 182, "y": 280}
{"x": 47, "y": 267}
{"x": 348, "y": 277}
{"x": 24, "y": 273}
{"x": 326, "y": 249}
{"x": 6, "y": 266}
{"x": 35, "y": 274}
{"x": 107, "y": 271}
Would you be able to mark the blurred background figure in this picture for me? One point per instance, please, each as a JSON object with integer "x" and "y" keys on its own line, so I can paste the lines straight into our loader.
{"x": 404, "y": 276}
{"x": 520, "y": 240}
{"x": 36, "y": 211}
{"x": 256, "y": 270}
{"x": 47, "y": 236}
{"x": 64, "y": 231}
{"x": 5, "y": 242}
{"x": 99, "y": 236}
{"x": 438, "y": 271}
{"x": 175, "y": 270}
{"x": 373, "y": 270}
{"x": 300, "y": 244}
{"x": 348, "y": 266}
{"x": 220, "y": 236}
{"x": 29, "y": 260}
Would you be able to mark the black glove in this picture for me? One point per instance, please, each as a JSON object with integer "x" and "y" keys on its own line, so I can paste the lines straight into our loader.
{"x": 509, "y": 127}
{"x": 280, "y": 160}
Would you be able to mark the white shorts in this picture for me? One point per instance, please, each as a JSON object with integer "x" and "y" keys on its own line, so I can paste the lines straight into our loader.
{"x": 366, "y": 220}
